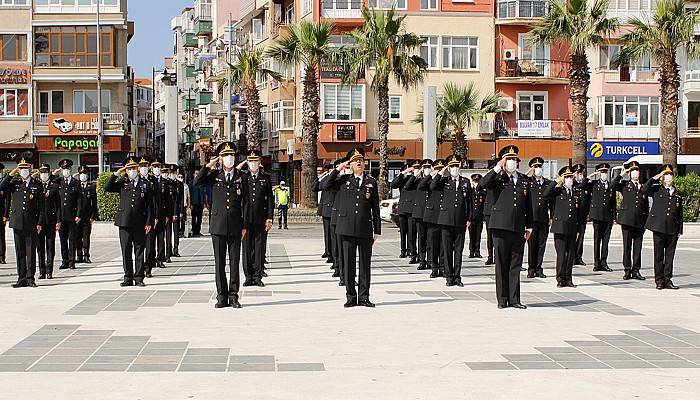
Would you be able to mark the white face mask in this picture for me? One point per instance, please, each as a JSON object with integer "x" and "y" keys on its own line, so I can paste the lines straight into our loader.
{"x": 416, "y": 172}
{"x": 44, "y": 176}
{"x": 475, "y": 184}
{"x": 454, "y": 171}
{"x": 604, "y": 176}
{"x": 83, "y": 177}
{"x": 634, "y": 175}
{"x": 143, "y": 171}
{"x": 172, "y": 176}
{"x": 568, "y": 182}
{"x": 538, "y": 172}
{"x": 65, "y": 172}
{"x": 511, "y": 165}
{"x": 229, "y": 161}
{"x": 180, "y": 178}
{"x": 668, "y": 179}
{"x": 132, "y": 174}
{"x": 156, "y": 171}
{"x": 427, "y": 171}
{"x": 24, "y": 173}
{"x": 253, "y": 165}
{"x": 579, "y": 177}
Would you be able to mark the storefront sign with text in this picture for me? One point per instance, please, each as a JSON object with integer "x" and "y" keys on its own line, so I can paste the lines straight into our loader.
{"x": 71, "y": 144}
{"x": 73, "y": 124}
{"x": 15, "y": 74}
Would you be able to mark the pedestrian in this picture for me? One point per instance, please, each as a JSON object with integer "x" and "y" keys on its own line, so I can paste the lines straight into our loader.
{"x": 430, "y": 217}
{"x": 87, "y": 212}
{"x": 419, "y": 200}
{"x": 602, "y": 213}
{"x": 476, "y": 216}
{"x": 281, "y": 193}
{"x": 46, "y": 240}
{"x": 198, "y": 198}
{"x": 173, "y": 229}
{"x": 134, "y": 218}
{"x": 4, "y": 217}
{"x": 405, "y": 204}
{"x": 69, "y": 190}
{"x": 582, "y": 188}
{"x": 324, "y": 211}
{"x": 666, "y": 222}
{"x": 632, "y": 217}
{"x": 541, "y": 218}
{"x": 228, "y": 227}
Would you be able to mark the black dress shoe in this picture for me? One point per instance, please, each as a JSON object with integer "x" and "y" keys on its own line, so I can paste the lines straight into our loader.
{"x": 660, "y": 286}
{"x": 168, "y": 260}
{"x": 329, "y": 260}
{"x": 79, "y": 260}
{"x": 42, "y": 276}
{"x": 670, "y": 285}
{"x": 477, "y": 255}
{"x": 49, "y": 276}
{"x": 349, "y": 304}
{"x": 458, "y": 282}
{"x": 2, "y": 260}
{"x": 602, "y": 269}
{"x": 264, "y": 274}
{"x": 490, "y": 262}
{"x": 19, "y": 284}
{"x": 422, "y": 266}
{"x": 325, "y": 255}
{"x": 63, "y": 266}
{"x": 88, "y": 260}
{"x": 530, "y": 275}
{"x": 139, "y": 283}
{"x": 402, "y": 255}
{"x": 413, "y": 260}
{"x": 579, "y": 262}
{"x": 434, "y": 274}
{"x": 149, "y": 275}
{"x": 341, "y": 283}
{"x": 235, "y": 304}
{"x": 540, "y": 275}
{"x": 523, "y": 269}
{"x": 519, "y": 306}
{"x": 32, "y": 284}
{"x": 259, "y": 283}
{"x": 366, "y": 303}
{"x": 248, "y": 282}
{"x": 570, "y": 284}
{"x": 161, "y": 264}
{"x": 638, "y": 276}
{"x": 449, "y": 282}
{"x": 502, "y": 306}
{"x": 176, "y": 254}
{"x": 127, "y": 283}
{"x": 561, "y": 284}
{"x": 221, "y": 304}
{"x": 627, "y": 276}
{"x": 336, "y": 274}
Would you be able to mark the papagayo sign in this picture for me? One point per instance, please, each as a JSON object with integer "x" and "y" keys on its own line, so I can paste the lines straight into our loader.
{"x": 78, "y": 144}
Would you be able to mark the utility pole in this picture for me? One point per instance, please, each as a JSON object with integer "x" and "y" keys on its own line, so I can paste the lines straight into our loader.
{"x": 230, "y": 84}
{"x": 100, "y": 121}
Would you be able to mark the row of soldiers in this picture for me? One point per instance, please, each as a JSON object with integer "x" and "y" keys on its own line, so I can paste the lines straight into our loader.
{"x": 37, "y": 205}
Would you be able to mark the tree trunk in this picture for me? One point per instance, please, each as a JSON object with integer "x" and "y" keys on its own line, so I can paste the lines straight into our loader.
{"x": 459, "y": 143}
{"x": 580, "y": 77}
{"x": 309, "y": 123}
{"x": 253, "y": 124}
{"x": 670, "y": 84}
{"x": 383, "y": 127}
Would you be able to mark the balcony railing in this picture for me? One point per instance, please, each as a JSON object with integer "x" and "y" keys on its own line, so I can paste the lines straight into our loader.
{"x": 202, "y": 10}
{"x": 55, "y": 7}
{"x": 692, "y": 132}
{"x": 633, "y": 75}
{"x": 624, "y": 14}
{"x": 521, "y": 9}
{"x": 549, "y": 128}
{"x": 341, "y": 9}
{"x": 534, "y": 68}
{"x": 692, "y": 75}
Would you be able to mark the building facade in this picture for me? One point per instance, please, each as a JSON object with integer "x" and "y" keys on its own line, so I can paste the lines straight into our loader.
{"x": 142, "y": 123}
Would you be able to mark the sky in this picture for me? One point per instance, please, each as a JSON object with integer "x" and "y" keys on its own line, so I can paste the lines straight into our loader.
{"x": 153, "y": 39}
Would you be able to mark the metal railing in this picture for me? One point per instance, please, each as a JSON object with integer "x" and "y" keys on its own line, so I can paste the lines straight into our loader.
{"x": 341, "y": 9}
{"x": 517, "y": 68}
{"x": 694, "y": 132}
{"x": 633, "y": 75}
{"x": 521, "y": 9}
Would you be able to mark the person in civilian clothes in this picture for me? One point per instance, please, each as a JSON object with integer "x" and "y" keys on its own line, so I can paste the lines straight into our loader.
{"x": 70, "y": 204}
{"x": 359, "y": 224}
{"x": 46, "y": 245}
{"x": 336, "y": 250}
{"x": 583, "y": 190}
{"x": 324, "y": 211}
{"x": 228, "y": 224}
{"x": 198, "y": 195}
{"x": 566, "y": 218}
{"x": 475, "y": 224}
{"x": 541, "y": 214}
{"x": 666, "y": 222}
{"x": 419, "y": 199}
{"x": 4, "y": 217}
{"x": 134, "y": 218}
{"x": 430, "y": 218}
{"x": 26, "y": 219}
{"x": 631, "y": 216}
{"x": 511, "y": 222}
{"x": 405, "y": 204}
{"x": 173, "y": 230}
{"x": 164, "y": 209}
{"x": 602, "y": 213}
{"x": 87, "y": 212}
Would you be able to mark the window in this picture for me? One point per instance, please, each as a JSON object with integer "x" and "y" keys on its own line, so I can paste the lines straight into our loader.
{"x": 631, "y": 111}
{"x": 85, "y": 101}
{"x": 459, "y": 52}
{"x": 282, "y": 115}
{"x": 387, "y": 4}
{"x": 395, "y": 108}
{"x": 429, "y": 51}
{"x": 428, "y": 4}
{"x": 70, "y": 2}
{"x": 14, "y": 102}
{"x": 343, "y": 102}
{"x": 13, "y": 2}
{"x": 306, "y": 7}
{"x": 258, "y": 29}
{"x": 342, "y": 4}
{"x": 610, "y": 52}
{"x": 286, "y": 72}
{"x": 51, "y": 102}
{"x": 264, "y": 123}
{"x": 72, "y": 46}
{"x": 532, "y": 106}
{"x": 14, "y": 47}
{"x": 260, "y": 78}
{"x": 289, "y": 14}
{"x": 340, "y": 41}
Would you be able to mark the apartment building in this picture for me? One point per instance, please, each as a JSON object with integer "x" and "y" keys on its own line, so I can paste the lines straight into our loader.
{"x": 142, "y": 112}
{"x": 689, "y": 114}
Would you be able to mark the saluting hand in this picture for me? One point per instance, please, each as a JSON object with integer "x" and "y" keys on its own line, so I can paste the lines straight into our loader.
{"x": 213, "y": 162}
{"x": 527, "y": 235}
{"x": 243, "y": 233}
{"x": 147, "y": 228}
{"x": 58, "y": 226}
{"x": 625, "y": 172}
{"x": 591, "y": 176}
{"x": 658, "y": 176}
{"x": 38, "y": 229}
{"x": 374, "y": 239}
{"x": 14, "y": 172}
{"x": 268, "y": 225}
{"x": 501, "y": 163}
{"x": 121, "y": 170}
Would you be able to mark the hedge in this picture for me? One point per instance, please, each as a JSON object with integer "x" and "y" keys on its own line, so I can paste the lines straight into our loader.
{"x": 107, "y": 203}
{"x": 689, "y": 185}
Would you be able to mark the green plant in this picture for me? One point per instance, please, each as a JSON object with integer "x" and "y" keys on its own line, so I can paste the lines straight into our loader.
{"x": 689, "y": 185}
{"x": 107, "y": 203}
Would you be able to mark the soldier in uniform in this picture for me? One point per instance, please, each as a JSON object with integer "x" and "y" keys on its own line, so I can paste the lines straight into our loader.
{"x": 430, "y": 218}
{"x": 324, "y": 210}
{"x": 358, "y": 224}
{"x": 454, "y": 210}
{"x": 631, "y": 216}
{"x": 420, "y": 197}
{"x": 87, "y": 213}
{"x": 4, "y": 217}
{"x": 227, "y": 226}
{"x": 666, "y": 223}
{"x": 488, "y": 205}
{"x": 260, "y": 210}
{"x": 150, "y": 251}
{"x": 69, "y": 190}
{"x": 566, "y": 218}
{"x": 511, "y": 222}
{"x": 26, "y": 219}
{"x": 336, "y": 247}
{"x": 410, "y": 187}
{"x": 134, "y": 218}
{"x": 405, "y": 202}
{"x": 164, "y": 210}
{"x": 583, "y": 190}
{"x": 46, "y": 247}
{"x": 541, "y": 214}
{"x": 475, "y": 225}
{"x": 178, "y": 205}
{"x": 602, "y": 212}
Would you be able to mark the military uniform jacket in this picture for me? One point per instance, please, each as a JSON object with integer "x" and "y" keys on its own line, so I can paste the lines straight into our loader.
{"x": 27, "y": 209}
{"x": 52, "y": 202}
{"x": 454, "y": 204}
{"x": 406, "y": 196}
{"x": 420, "y": 198}
{"x": 358, "y": 206}
{"x": 178, "y": 196}
{"x": 584, "y": 191}
{"x": 567, "y": 214}
{"x": 325, "y": 207}
{"x": 666, "y": 215}
{"x": 88, "y": 203}
{"x": 476, "y": 204}
{"x": 432, "y": 203}
{"x": 490, "y": 199}
{"x": 165, "y": 198}
{"x": 5, "y": 198}
{"x": 410, "y": 187}
{"x": 512, "y": 209}
{"x": 135, "y": 202}
{"x": 69, "y": 190}
{"x": 634, "y": 208}
{"x": 602, "y": 201}
{"x": 229, "y": 200}
{"x": 260, "y": 203}
{"x": 542, "y": 206}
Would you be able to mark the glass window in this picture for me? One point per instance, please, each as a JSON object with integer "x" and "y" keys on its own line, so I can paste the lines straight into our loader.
{"x": 14, "y": 47}
{"x": 429, "y": 51}
{"x": 532, "y": 106}
{"x": 428, "y": 4}
{"x": 14, "y": 2}
{"x": 14, "y": 102}
{"x": 343, "y": 102}
{"x": 630, "y": 111}
{"x": 51, "y": 102}
{"x": 85, "y": 101}
{"x": 459, "y": 52}
{"x": 395, "y": 107}
{"x": 386, "y": 4}
{"x": 71, "y": 46}
{"x": 607, "y": 55}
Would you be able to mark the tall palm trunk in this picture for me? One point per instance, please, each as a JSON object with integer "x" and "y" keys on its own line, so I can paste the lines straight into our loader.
{"x": 309, "y": 122}
{"x": 670, "y": 84}
{"x": 383, "y": 126}
{"x": 253, "y": 123}
{"x": 459, "y": 143}
{"x": 580, "y": 78}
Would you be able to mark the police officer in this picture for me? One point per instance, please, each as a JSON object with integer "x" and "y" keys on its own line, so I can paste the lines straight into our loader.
{"x": 69, "y": 190}
{"x": 454, "y": 209}
{"x": 173, "y": 230}
{"x": 26, "y": 219}
{"x": 164, "y": 209}
{"x": 583, "y": 191}
{"x": 358, "y": 224}
{"x": 227, "y": 225}
{"x": 336, "y": 247}
{"x": 87, "y": 213}
{"x": 134, "y": 218}
{"x": 666, "y": 222}
{"x": 4, "y": 217}
{"x": 602, "y": 213}
{"x": 566, "y": 218}
{"x": 405, "y": 203}
{"x": 260, "y": 210}
{"x": 476, "y": 216}
{"x": 511, "y": 222}
{"x": 541, "y": 214}
{"x": 419, "y": 199}
{"x": 631, "y": 216}
{"x": 46, "y": 246}
{"x": 430, "y": 218}
{"x": 324, "y": 210}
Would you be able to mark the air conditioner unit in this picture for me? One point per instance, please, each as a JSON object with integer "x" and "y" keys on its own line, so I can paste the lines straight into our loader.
{"x": 505, "y": 103}
{"x": 509, "y": 54}
{"x": 591, "y": 115}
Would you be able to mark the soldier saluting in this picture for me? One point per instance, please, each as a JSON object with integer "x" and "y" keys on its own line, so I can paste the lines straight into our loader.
{"x": 87, "y": 213}
{"x": 324, "y": 211}
{"x": 475, "y": 225}
{"x": 419, "y": 200}
{"x": 46, "y": 248}
{"x": 541, "y": 214}
{"x": 631, "y": 216}
{"x": 4, "y": 217}
{"x": 405, "y": 201}
{"x": 164, "y": 209}
{"x": 69, "y": 190}
{"x": 430, "y": 217}
{"x": 602, "y": 212}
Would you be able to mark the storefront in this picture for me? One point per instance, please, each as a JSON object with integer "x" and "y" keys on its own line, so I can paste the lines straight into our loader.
{"x": 617, "y": 152}
{"x": 15, "y": 113}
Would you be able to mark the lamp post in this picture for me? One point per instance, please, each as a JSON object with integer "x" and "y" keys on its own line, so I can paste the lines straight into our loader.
{"x": 100, "y": 122}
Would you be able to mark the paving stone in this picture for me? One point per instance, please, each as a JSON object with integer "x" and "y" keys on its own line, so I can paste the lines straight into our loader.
{"x": 251, "y": 367}
{"x": 526, "y": 357}
{"x": 63, "y": 359}
{"x": 158, "y": 359}
{"x": 569, "y": 357}
{"x": 102, "y": 359}
{"x": 615, "y": 357}
{"x": 25, "y": 351}
{"x": 19, "y": 359}
{"x": 659, "y": 357}
{"x": 162, "y": 352}
{"x": 284, "y": 367}
{"x": 629, "y": 364}
{"x": 94, "y": 367}
{"x": 548, "y": 350}
{"x": 205, "y": 359}
{"x": 202, "y": 367}
{"x": 536, "y": 365}
{"x": 194, "y": 351}
{"x": 117, "y": 352}
{"x": 490, "y": 366}
{"x": 13, "y": 367}
{"x": 166, "y": 345}
{"x": 252, "y": 359}
{"x": 152, "y": 368}
{"x": 584, "y": 365}
{"x": 42, "y": 367}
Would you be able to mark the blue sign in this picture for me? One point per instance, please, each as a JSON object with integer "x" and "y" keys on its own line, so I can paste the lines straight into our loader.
{"x": 605, "y": 150}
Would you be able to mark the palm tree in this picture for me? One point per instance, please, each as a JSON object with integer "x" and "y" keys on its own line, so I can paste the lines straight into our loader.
{"x": 670, "y": 29}
{"x": 249, "y": 65}
{"x": 583, "y": 27}
{"x": 307, "y": 44}
{"x": 383, "y": 45}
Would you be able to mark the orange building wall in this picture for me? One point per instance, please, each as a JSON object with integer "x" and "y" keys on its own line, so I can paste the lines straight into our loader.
{"x": 558, "y": 104}
{"x": 507, "y": 38}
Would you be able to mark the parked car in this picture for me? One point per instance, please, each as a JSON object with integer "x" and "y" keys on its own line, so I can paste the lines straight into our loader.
{"x": 386, "y": 209}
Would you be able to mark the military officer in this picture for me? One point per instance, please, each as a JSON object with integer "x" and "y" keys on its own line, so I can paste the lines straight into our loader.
{"x": 631, "y": 216}
{"x": 666, "y": 222}
{"x": 358, "y": 224}
{"x": 419, "y": 199}
{"x": 336, "y": 246}
{"x": 173, "y": 229}
{"x": 488, "y": 205}
{"x": 164, "y": 211}
{"x": 87, "y": 213}
{"x": 324, "y": 210}
{"x": 171, "y": 220}
{"x": 46, "y": 245}
{"x": 405, "y": 204}
{"x": 227, "y": 224}
{"x": 69, "y": 190}
{"x": 602, "y": 213}
{"x": 26, "y": 219}
{"x": 260, "y": 210}
{"x": 566, "y": 219}
{"x": 583, "y": 191}
{"x": 454, "y": 210}
{"x": 511, "y": 222}
{"x": 4, "y": 217}
{"x": 410, "y": 187}
{"x": 134, "y": 218}
{"x": 541, "y": 214}
{"x": 150, "y": 251}
{"x": 476, "y": 216}
{"x": 430, "y": 218}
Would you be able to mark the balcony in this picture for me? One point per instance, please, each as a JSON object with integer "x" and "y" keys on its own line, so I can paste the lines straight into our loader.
{"x": 189, "y": 40}
{"x": 214, "y": 109}
{"x": 190, "y": 71}
{"x": 205, "y": 132}
{"x": 189, "y": 104}
{"x": 55, "y": 7}
{"x": 202, "y": 28}
{"x": 341, "y": 9}
{"x": 204, "y": 97}
{"x": 692, "y": 81}
{"x": 512, "y": 127}
{"x": 533, "y": 71}
{"x": 202, "y": 10}
{"x": 630, "y": 75}
{"x": 621, "y": 132}
{"x": 517, "y": 12}
{"x": 625, "y": 14}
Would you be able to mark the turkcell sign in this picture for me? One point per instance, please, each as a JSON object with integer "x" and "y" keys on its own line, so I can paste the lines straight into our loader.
{"x": 606, "y": 150}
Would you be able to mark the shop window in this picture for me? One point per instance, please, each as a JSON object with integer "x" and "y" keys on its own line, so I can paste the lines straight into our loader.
{"x": 14, "y": 102}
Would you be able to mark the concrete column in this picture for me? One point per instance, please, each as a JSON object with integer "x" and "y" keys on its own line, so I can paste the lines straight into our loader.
{"x": 430, "y": 122}
{"x": 172, "y": 129}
